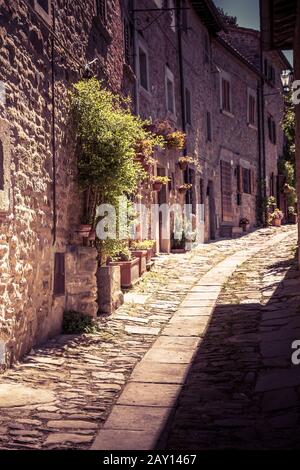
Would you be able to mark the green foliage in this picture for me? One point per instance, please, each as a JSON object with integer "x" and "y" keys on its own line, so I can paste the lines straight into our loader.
{"x": 228, "y": 19}
{"x": 160, "y": 179}
{"x": 107, "y": 136}
{"x": 286, "y": 164}
{"x": 77, "y": 323}
{"x": 142, "y": 245}
{"x": 288, "y": 125}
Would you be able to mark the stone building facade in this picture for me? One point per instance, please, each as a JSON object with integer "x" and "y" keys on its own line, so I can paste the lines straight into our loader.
{"x": 171, "y": 62}
{"x": 43, "y": 50}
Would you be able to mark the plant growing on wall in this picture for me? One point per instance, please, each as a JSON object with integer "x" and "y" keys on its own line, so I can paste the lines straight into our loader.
{"x": 107, "y": 135}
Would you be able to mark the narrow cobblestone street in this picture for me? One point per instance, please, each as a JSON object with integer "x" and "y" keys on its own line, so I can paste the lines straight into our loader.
{"x": 236, "y": 356}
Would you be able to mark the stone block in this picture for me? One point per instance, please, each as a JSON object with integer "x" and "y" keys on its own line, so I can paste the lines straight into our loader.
{"x": 110, "y": 296}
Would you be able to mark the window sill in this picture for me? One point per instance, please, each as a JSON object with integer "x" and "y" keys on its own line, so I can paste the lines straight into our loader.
{"x": 227, "y": 113}
{"x": 102, "y": 28}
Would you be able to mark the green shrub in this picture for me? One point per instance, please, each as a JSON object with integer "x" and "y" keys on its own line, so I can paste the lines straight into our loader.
{"x": 76, "y": 323}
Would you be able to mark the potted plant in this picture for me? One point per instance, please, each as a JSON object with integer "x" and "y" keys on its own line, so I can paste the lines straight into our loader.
{"x": 158, "y": 182}
{"x": 292, "y": 215}
{"x": 184, "y": 188}
{"x": 275, "y": 218}
{"x": 183, "y": 162}
{"x": 130, "y": 267}
{"x": 244, "y": 224}
{"x": 178, "y": 242}
{"x": 145, "y": 245}
{"x": 176, "y": 140}
{"x": 159, "y": 127}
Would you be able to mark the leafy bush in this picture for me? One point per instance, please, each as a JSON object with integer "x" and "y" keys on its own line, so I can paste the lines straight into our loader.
{"x": 107, "y": 137}
{"x": 142, "y": 245}
{"x": 77, "y": 323}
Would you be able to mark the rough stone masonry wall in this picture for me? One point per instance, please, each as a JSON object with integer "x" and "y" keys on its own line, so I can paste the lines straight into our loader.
{"x": 233, "y": 139}
{"x": 29, "y": 312}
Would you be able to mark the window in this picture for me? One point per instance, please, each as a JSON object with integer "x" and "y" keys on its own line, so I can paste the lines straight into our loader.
{"x": 206, "y": 49}
{"x": 208, "y": 127}
{"x": 271, "y": 75}
{"x": 171, "y": 5}
{"x": 170, "y": 91}
{"x": 251, "y": 108}
{"x": 225, "y": 92}
{"x": 188, "y": 111}
{"x": 184, "y": 16}
{"x": 1, "y": 167}
{"x": 226, "y": 192}
{"x": 101, "y": 6}
{"x": 269, "y": 72}
{"x": 272, "y": 130}
{"x": 43, "y": 8}
{"x": 273, "y": 184}
{"x": 59, "y": 274}
{"x": 246, "y": 180}
{"x": 127, "y": 42}
{"x": 143, "y": 68}
{"x": 44, "y": 4}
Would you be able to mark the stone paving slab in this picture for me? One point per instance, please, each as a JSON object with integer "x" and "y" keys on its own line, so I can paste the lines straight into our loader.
{"x": 137, "y": 418}
{"x": 157, "y": 372}
{"x": 113, "y": 439}
{"x": 149, "y": 394}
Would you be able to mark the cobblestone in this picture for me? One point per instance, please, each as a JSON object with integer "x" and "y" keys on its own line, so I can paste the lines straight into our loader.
{"x": 86, "y": 374}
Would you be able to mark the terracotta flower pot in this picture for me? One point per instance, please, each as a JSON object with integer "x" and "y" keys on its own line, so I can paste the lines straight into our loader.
{"x": 130, "y": 271}
{"x": 142, "y": 255}
{"x": 183, "y": 165}
{"x": 182, "y": 191}
{"x": 293, "y": 219}
{"x": 276, "y": 222}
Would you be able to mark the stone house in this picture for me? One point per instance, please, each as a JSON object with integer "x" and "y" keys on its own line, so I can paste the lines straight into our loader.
{"x": 178, "y": 65}
{"x": 44, "y": 47}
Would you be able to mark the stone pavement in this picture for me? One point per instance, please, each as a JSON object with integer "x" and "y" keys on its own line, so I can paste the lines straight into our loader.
{"x": 61, "y": 395}
{"x": 242, "y": 390}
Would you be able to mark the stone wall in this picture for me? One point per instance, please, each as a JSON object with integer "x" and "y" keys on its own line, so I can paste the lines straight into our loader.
{"x": 41, "y": 207}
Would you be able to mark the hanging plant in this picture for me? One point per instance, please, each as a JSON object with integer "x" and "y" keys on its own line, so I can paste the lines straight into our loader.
{"x": 159, "y": 181}
{"x": 183, "y": 162}
{"x": 184, "y": 188}
{"x": 176, "y": 140}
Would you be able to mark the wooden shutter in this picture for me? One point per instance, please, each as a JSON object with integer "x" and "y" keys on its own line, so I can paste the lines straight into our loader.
{"x": 226, "y": 192}
{"x": 239, "y": 179}
{"x": 127, "y": 41}
{"x": 59, "y": 274}
{"x": 252, "y": 175}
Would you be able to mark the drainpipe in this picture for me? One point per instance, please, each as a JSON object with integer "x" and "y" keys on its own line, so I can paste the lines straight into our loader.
{"x": 53, "y": 139}
{"x": 261, "y": 147}
{"x": 135, "y": 59}
{"x": 263, "y": 132}
{"x": 181, "y": 78}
